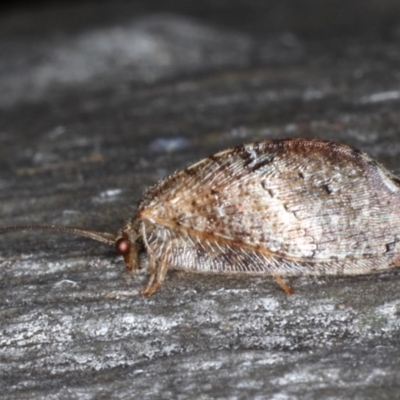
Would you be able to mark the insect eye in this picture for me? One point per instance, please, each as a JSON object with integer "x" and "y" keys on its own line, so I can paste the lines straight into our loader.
{"x": 123, "y": 246}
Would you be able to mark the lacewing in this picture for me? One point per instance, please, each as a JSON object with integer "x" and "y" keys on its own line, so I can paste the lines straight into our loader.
{"x": 280, "y": 208}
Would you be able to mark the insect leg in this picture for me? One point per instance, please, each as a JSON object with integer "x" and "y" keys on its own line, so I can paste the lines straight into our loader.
{"x": 153, "y": 273}
{"x": 160, "y": 276}
{"x": 283, "y": 285}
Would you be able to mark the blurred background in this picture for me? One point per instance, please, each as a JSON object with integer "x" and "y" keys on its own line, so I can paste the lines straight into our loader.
{"x": 308, "y": 17}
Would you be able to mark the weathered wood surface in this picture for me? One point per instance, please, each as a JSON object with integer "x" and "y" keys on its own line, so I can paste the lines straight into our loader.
{"x": 89, "y": 119}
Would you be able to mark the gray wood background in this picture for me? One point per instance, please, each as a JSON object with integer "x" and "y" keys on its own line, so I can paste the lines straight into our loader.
{"x": 97, "y": 102}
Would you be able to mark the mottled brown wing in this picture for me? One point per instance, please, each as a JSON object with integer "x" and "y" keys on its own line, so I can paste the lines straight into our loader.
{"x": 294, "y": 199}
{"x": 182, "y": 251}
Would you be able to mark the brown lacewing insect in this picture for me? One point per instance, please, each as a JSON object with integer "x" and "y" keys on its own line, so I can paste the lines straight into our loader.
{"x": 281, "y": 208}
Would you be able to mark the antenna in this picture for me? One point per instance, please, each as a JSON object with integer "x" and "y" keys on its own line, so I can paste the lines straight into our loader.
{"x": 104, "y": 237}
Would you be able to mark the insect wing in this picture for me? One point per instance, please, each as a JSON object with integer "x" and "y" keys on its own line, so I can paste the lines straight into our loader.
{"x": 305, "y": 201}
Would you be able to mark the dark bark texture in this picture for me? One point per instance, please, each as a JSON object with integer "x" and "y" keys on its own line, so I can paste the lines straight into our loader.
{"x": 97, "y": 102}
